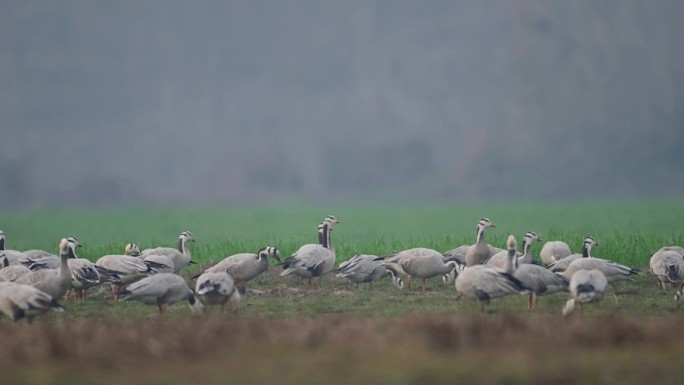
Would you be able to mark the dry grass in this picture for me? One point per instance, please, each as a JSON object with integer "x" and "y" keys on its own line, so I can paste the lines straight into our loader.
{"x": 346, "y": 349}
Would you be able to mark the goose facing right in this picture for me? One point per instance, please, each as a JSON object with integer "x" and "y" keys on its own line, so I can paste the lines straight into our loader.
{"x": 19, "y": 301}
{"x": 245, "y": 266}
{"x": 313, "y": 260}
{"x": 363, "y": 268}
{"x": 180, "y": 256}
{"x": 10, "y": 273}
{"x": 14, "y": 257}
{"x": 420, "y": 263}
{"x": 480, "y": 252}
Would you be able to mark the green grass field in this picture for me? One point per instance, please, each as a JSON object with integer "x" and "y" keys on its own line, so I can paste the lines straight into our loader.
{"x": 288, "y": 333}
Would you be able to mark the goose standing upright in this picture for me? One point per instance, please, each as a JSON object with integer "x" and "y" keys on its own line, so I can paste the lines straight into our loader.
{"x": 313, "y": 260}
{"x": 499, "y": 259}
{"x": 245, "y": 266}
{"x": 560, "y": 265}
{"x": 180, "y": 256}
{"x": 480, "y": 252}
{"x": 53, "y": 282}
{"x": 14, "y": 257}
{"x": 586, "y": 286}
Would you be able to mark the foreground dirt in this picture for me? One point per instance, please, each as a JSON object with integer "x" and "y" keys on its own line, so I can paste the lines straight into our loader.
{"x": 347, "y": 349}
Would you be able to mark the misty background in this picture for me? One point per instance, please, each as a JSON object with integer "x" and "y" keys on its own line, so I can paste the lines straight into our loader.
{"x": 125, "y": 103}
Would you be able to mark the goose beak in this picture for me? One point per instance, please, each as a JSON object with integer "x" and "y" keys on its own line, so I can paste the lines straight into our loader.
{"x": 493, "y": 224}
{"x": 539, "y": 239}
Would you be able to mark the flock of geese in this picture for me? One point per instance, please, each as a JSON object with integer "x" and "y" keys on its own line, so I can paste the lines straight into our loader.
{"x": 32, "y": 281}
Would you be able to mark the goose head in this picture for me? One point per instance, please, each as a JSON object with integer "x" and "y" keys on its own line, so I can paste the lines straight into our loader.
{"x": 531, "y": 237}
{"x": 331, "y": 220}
{"x": 264, "y": 252}
{"x": 72, "y": 244}
{"x": 588, "y": 243}
{"x": 394, "y": 275}
{"x": 186, "y": 236}
{"x": 132, "y": 249}
{"x": 484, "y": 223}
{"x": 195, "y": 305}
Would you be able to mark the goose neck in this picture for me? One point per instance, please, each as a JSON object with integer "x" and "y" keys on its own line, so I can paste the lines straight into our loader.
{"x": 480, "y": 234}
{"x": 182, "y": 246}
{"x": 2, "y": 243}
{"x": 511, "y": 263}
{"x": 527, "y": 248}
{"x": 586, "y": 251}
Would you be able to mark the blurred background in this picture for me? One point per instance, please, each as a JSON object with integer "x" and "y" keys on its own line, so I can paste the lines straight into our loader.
{"x": 156, "y": 103}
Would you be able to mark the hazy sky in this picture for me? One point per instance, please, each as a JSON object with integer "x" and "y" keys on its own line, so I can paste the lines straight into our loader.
{"x": 224, "y": 102}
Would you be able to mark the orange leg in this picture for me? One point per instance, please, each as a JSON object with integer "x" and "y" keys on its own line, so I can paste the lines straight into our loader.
{"x": 409, "y": 281}
{"x": 424, "y": 281}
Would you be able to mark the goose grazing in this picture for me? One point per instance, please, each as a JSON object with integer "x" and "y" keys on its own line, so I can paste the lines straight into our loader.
{"x": 679, "y": 297}
{"x": 246, "y": 266}
{"x": 363, "y": 268}
{"x": 161, "y": 289}
{"x": 667, "y": 266}
{"x": 23, "y": 301}
{"x": 180, "y": 256}
{"x": 560, "y": 265}
{"x": 539, "y": 280}
{"x": 14, "y": 257}
{"x": 53, "y": 282}
{"x": 9, "y": 273}
{"x": 500, "y": 259}
{"x": 313, "y": 260}
{"x": 396, "y": 278}
{"x": 130, "y": 268}
{"x": 217, "y": 288}
{"x": 586, "y": 286}
{"x": 480, "y": 252}
{"x": 483, "y": 283}
{"x": 553, "y": 251}
{"x": 421, "y": 263}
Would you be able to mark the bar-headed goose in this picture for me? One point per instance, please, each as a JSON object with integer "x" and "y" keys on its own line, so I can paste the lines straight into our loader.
{"x": 180, "y": 256}
{"x": 10, "y": 273}
{"x": 586, "y": 286}
{"x": 245, "y": 266}
{"x": 420, "y": 263}
{"x": 483, "y": 283}
{"x": 217, "y": 288}
{"x": 53, "y": 282}
{"x": 19, "y": 301}
{"x": 612, "y": 271}
{"x": 161, "y": 289}
{"x": 14, "y": 257}
{"x": 553, "y": 251}
{"x": 312, "y": 260}
{"x": 363, "y": 268}
{"x": 560, "y": 265}
{"x": 668, "y": 268}
{"x": 480, "y": 252}
{"x": 499, "y": 259}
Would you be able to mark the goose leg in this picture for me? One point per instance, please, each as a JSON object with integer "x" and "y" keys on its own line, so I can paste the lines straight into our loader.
{"x": 409, "y": 281}
{"x": 309, "y": 279}
{"x": 482, "y": 307}
{"x": 614, "y": 292}
{"x": 458, "y": 296}
{"x": 424, "y": 282}
{"x": 581, "y": 310}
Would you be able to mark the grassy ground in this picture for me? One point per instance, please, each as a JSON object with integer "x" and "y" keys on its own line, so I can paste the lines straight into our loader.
{"x": 288, "y": 333}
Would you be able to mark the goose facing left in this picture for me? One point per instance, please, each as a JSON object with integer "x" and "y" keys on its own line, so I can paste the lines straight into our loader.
{"x": 19, "y": 301}
{"x": 421, "y": 263}
{"x": 14, "y": 257}
{"x": 11, "y": 273}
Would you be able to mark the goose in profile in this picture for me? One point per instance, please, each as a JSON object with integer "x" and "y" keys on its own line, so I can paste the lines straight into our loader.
{"x": 553, "y": 251}
{"x": 539, "y": 280}
{"x": 667, "y": 266}
{"x": 161, "y": 289}
{"x": 50, "y": 261}
{"x": 363, "y": 268}
{"x": 10, "y": 273}
{"x": 14, "y": 257}
{"x": 611, "y": 270}
{"x": 180, "y": 256}
{"x": 480, "y": 252}
{"x": 53, "y": 282}
{"x": 500, "y": 259}
{"x": 19, "y": 301}
{"x": 483, "y": 283}
{"x": 245, "y": 266}
{"x": 130, "y": 268}
{"x": 560, "y": 265}
{"x": 420, "y": 263}
{"x": 312, "y": 260}
{"x": 586, "y": 286}
{"x": 217, "y": 288}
